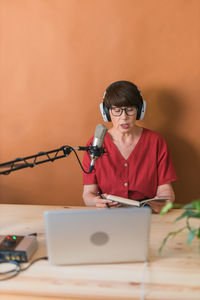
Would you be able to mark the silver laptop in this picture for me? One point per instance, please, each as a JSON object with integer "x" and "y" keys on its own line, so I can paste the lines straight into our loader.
{"x": 82, "y": 236}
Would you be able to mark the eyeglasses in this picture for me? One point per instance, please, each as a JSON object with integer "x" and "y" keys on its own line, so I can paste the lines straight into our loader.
{"x": 117, "y": 111}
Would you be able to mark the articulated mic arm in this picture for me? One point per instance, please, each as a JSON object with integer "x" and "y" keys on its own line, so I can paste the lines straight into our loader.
{"x": 42, "y": 157}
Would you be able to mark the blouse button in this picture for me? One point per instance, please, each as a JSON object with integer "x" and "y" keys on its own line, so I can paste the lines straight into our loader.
{"x": 125, "y": 184}
{"x": 125, "y": 164}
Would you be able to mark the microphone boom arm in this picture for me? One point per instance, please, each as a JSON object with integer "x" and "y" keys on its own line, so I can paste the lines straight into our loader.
{"x": 49, "y": 156}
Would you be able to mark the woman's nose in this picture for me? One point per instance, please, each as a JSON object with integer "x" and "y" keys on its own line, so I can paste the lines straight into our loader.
{"x": 124, "y": 115}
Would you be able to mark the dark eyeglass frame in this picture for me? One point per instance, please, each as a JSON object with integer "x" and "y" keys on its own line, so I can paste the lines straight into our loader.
{"x": 128, "y": 113}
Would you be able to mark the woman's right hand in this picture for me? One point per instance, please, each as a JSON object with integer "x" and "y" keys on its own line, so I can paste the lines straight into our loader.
{"x": 102, "y": 202}
{"x": 92, "y": 197}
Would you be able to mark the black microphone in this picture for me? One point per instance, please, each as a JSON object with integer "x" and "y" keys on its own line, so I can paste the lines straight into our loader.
{"x": 96, "y": 148}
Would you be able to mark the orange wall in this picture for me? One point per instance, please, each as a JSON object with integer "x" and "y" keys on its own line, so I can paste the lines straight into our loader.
{"x": 57, "y": 57}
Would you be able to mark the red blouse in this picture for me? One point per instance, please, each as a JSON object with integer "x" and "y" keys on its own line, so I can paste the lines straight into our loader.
{"x": 148, "y": 166}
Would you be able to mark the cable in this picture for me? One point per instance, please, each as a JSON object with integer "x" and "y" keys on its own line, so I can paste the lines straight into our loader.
{"x": 80, "y": 162}
{"x": 11, "y": 273}
{"x": 34, "y": 261}
{"x": 18, "y": 269}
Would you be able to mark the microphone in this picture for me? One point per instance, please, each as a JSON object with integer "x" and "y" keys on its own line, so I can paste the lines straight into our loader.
{"x": 96, "y": 149}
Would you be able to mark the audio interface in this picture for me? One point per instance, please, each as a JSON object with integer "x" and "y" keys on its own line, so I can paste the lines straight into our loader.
{"x": 17, "y": 247}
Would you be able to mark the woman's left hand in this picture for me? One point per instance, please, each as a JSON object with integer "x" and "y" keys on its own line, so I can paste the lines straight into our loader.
{"x": 158, "y": 205}
{"x": 163, "y": 191}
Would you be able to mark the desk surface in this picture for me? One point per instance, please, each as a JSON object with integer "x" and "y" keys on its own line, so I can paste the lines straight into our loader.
{"x": 174, "y": 274}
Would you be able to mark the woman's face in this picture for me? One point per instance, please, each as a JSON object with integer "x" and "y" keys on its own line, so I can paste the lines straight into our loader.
{"x": 123, "y": 118}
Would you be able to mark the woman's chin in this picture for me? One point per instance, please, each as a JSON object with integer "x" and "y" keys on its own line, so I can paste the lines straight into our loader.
{"x": 124, "y": 130}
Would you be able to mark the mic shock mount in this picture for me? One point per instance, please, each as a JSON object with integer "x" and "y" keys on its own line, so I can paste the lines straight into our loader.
{"x": 96, "y": 151}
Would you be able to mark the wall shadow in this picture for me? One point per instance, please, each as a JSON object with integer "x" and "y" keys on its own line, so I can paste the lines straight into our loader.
{"x": 165, "y": 113}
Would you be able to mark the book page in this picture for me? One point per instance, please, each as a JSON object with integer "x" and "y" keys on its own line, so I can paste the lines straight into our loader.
{"x": 123, "y": 200}
{"x": 133, "y": 202}
{"x": 153, "y": 199}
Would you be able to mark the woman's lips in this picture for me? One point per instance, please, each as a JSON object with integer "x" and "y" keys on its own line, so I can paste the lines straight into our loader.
{"x": 124, "y": 126}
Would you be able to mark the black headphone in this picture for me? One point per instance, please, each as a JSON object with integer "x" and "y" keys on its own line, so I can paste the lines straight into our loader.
{"x": 105, "y": 111}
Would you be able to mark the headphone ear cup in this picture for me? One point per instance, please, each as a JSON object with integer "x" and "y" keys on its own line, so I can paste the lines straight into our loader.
{"x": 105, "y": 112}
{"x": 143, "y": 110}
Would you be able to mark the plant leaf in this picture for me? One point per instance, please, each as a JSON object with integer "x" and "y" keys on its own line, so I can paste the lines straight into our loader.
{"x": 173, "y": 233}
{"x": 197, "y": 205}
{"x": 188, "y": 214}
{"x": 188, "y": 206}
{"x": 191, "y": 236}
{"x": 167, "y": 207}
{"x": 193, "y": 205}
{"x": 192, "y": 210}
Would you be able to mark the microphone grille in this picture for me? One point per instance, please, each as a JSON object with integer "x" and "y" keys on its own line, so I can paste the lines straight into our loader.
{"x": 100, "y": 131}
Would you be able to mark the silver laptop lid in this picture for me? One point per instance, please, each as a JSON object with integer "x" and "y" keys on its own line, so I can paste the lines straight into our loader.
{"x": 78, "y": 236}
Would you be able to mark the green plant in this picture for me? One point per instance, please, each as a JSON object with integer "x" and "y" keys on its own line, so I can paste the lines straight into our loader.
{"x": 191, "y": 210}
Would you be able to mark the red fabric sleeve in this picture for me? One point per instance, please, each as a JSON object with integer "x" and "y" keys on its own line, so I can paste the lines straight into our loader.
{"x": 166, "y": 171}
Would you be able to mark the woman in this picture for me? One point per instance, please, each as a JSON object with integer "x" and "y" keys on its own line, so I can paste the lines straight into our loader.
{"x": 136, "y": 163}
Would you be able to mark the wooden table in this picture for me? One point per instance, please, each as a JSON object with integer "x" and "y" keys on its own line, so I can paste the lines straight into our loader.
{"x": 175, "y": 274}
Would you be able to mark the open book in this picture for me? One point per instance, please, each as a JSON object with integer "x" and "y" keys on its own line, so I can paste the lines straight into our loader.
{"x": 133, "y": 202}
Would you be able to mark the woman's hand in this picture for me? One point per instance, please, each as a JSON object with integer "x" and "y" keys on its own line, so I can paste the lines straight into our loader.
{"x": 163, "y": 191}
{"x": 158, "y": 205}
{"x": 92, "y": 197}
{"x": 102, "y": 202}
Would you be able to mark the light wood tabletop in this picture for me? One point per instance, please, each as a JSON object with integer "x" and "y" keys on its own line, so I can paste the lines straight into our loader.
{"x": 173, "y": 274}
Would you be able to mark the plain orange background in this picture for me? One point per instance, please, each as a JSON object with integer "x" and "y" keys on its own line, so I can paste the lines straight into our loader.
{"x": 56, "y": 59}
